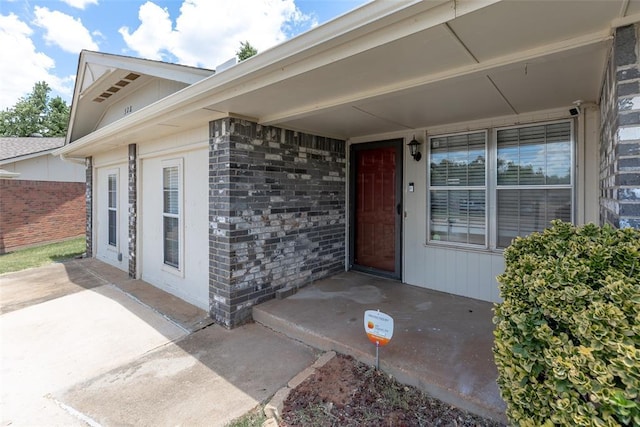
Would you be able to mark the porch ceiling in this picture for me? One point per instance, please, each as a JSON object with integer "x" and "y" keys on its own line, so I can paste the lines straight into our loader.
{"x": 550, "y": 82}
{"x": 507, "y": 58}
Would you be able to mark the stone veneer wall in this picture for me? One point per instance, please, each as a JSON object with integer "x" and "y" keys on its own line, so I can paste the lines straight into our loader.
{"x": 620, "y": 133}
{"x": 133, "y": 209}
{"x": 276, "y": 214}
{"x": 89, "y": 205}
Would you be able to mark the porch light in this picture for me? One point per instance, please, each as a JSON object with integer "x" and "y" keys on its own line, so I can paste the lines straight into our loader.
{"x": 413, "y": 149}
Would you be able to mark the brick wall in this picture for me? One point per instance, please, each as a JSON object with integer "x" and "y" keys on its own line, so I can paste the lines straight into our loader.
{"x": 620, "y": 133}
{"x": 276, "y": 213}
{"x": 33, "y": 212}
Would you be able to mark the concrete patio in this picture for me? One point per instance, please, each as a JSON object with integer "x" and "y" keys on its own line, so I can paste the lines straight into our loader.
{"x": 441, "y": 343}
{"x": 76, "y": 313}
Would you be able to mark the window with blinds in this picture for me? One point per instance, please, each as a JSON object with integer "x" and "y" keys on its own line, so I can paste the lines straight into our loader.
{"x": 112, "y": 208}
{"x": 529, "y": 184}
{"x": 534, "y": 179}
{"x": 457, "y": 188}
{"x": 171, "y": 215}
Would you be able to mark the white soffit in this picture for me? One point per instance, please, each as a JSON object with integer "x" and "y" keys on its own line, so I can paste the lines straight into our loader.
{"x": 513, "y": 89}
{"x": 633, "y": 8}
{"x": 404, "y": 59}
{"x": 343, "y": 121}
{"x": 555, "y": 81}
{"x": 512, "y": 26}
{"x": 549, "y": 82}
{"x": 449, "y": 101}
{"x": 456, "y": 100}
{"x": 521, "y": 56}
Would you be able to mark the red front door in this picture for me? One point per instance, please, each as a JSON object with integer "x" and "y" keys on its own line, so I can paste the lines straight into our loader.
{"x": 376, "y": 205}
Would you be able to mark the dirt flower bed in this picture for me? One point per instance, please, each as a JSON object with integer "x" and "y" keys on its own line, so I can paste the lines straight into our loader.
{"x": 345, "y": 392}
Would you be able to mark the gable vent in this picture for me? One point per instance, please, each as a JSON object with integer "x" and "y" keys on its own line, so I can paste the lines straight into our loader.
{"x": 116, "y": 87}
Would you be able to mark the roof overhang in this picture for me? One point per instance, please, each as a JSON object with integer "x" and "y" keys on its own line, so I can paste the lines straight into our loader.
{"x": 27, "y": 156}
{"x": 393, "y": 66}
{"x": 8, "y": 175}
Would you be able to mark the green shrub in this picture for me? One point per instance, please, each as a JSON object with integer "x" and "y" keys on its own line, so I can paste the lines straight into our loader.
{"x": 567, "y": 337}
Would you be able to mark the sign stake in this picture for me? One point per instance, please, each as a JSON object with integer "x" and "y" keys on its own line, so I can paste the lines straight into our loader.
{"x": 379, "y": 329}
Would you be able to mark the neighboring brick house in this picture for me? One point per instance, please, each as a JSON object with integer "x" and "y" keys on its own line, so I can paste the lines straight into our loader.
{"x": 42, "y": 197}
{"x": 305, "y": 160}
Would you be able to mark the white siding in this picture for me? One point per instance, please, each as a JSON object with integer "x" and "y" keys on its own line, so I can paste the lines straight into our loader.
{"x": 191, "y": 282}
{"x": 47, "y": 168}
{"x": 183, "y": 141}
{"x": 460, "y": 272}
{"x": 146, "y": 95}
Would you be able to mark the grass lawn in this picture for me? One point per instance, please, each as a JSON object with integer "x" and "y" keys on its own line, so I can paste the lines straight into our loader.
{"x": 253, "y": 418}
{"x": 41, "y": 255}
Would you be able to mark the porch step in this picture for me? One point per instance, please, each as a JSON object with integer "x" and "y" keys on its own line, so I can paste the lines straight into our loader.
{"x": 441, "y": 343}
{"x": 271, "y": 319}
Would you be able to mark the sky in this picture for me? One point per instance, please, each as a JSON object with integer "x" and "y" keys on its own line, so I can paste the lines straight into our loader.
{"x": 42, "y": 39}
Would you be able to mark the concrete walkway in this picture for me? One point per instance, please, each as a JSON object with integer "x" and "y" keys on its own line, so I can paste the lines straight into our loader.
{"x": 441, "y": 343}
{"x": 80, "y": 344}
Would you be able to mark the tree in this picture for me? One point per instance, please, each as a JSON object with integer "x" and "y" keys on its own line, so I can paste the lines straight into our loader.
{"x": 246, "y": 51}
{"x": 36, "y": 113}
{"x": 58, "y": 117}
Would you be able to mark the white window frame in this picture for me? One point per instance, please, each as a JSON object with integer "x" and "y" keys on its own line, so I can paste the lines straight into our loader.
{"x": 494, "y": 177}
{"x": 115, "y": 175}
{"x": 166, "y": 164}
{"x": 491, "y": 184}
{"x": 484, "y": 188}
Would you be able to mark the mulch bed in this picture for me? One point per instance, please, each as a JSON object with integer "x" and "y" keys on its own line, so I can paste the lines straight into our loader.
{"x": 345, "y": 392}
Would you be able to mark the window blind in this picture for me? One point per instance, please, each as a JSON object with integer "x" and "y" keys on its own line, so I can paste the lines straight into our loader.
{"x": 112, "y": 200}
{"x": 534, "y": 184}
{"x": 457, "y": 196}
{"x": 171, "y": 219}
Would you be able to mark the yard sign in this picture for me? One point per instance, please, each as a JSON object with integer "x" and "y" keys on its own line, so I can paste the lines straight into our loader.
{"x": 379, "y": 329}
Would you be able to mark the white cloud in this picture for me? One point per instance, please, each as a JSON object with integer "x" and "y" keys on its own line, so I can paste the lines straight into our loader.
{"x": 21, "y": 66}
{"x": 80, "y": 4}
{"x": 154, "y": 35}
{"x": 209, "y": 32}
{"x": 64, "y": 30}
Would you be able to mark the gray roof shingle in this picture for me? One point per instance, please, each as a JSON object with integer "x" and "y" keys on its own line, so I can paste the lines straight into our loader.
{"x": 13, "y": 147}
